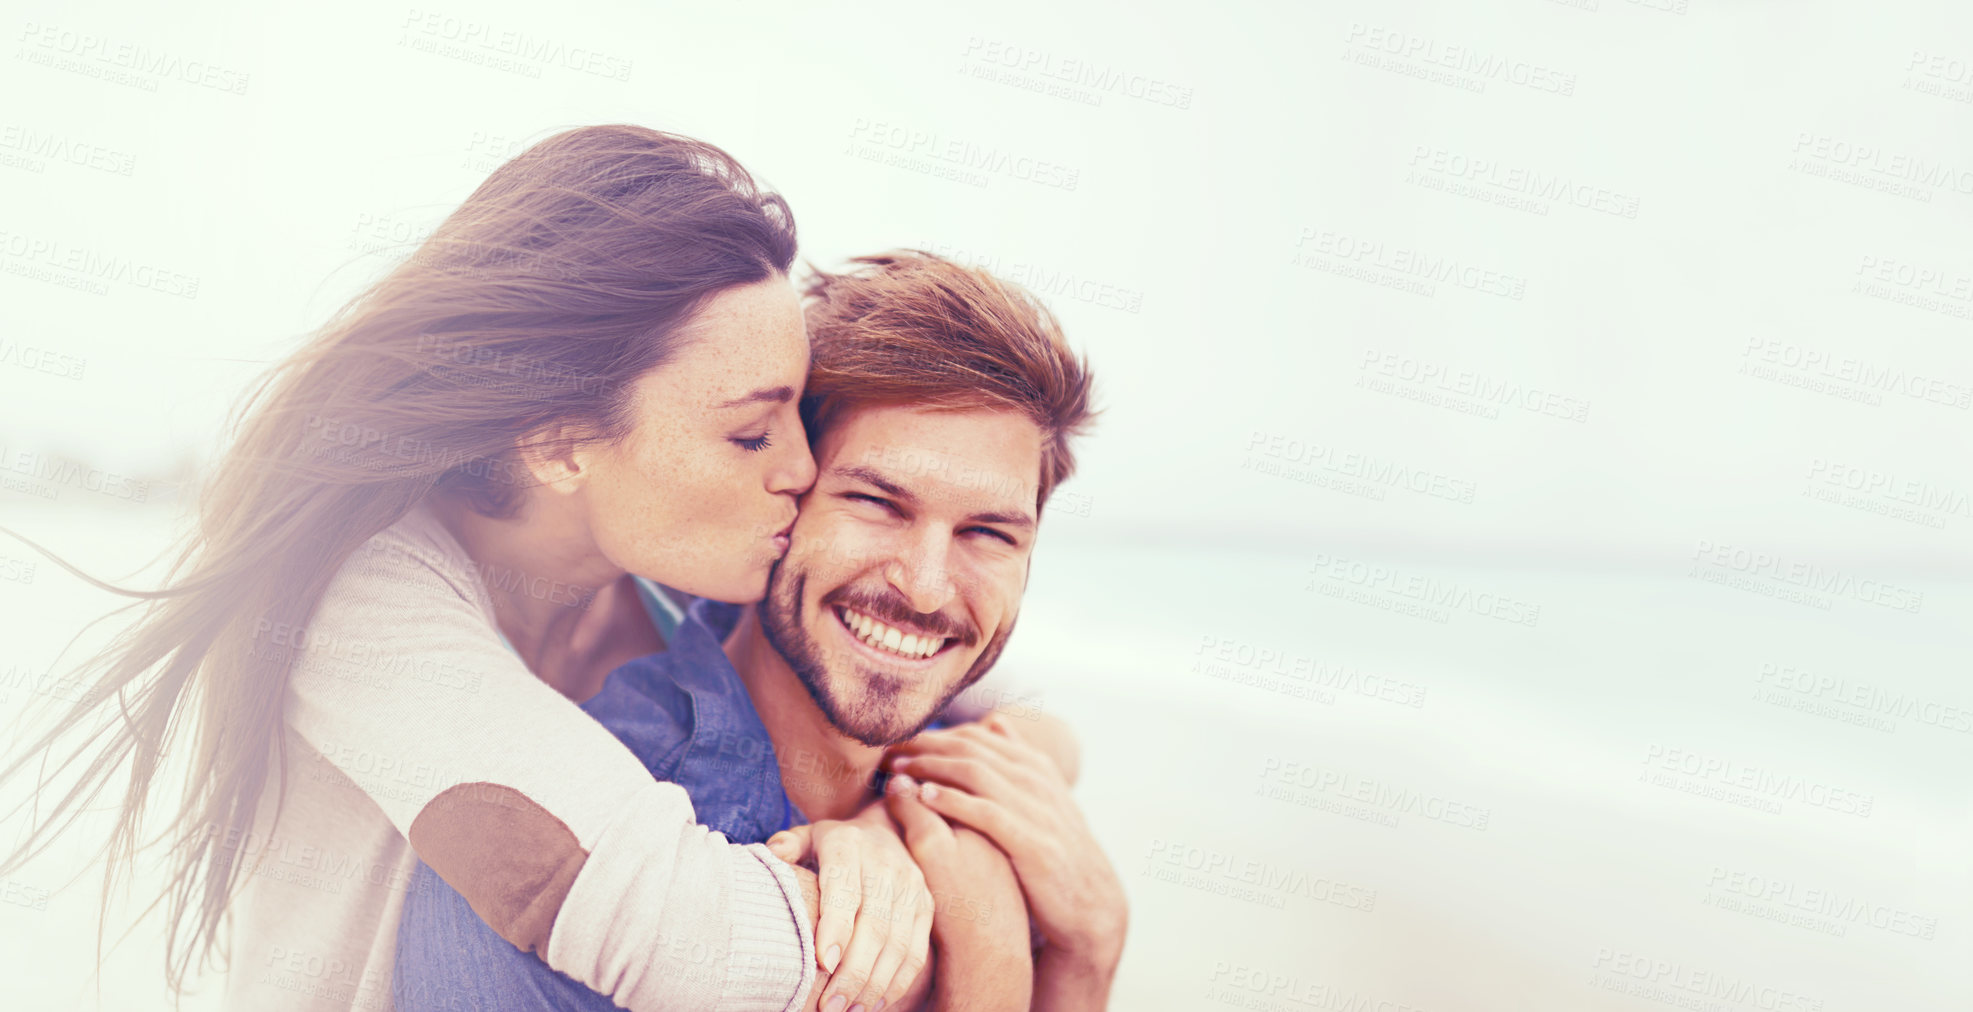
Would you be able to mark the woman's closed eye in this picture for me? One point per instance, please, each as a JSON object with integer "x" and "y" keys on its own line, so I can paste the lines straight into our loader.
{"x": 754, "y": 445}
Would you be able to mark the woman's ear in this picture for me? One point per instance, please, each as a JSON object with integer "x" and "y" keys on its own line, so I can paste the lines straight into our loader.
{"x": 558, "y": 458}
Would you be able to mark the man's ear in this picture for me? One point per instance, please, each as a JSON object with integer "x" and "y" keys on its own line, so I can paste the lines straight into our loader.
{"x": 558, "y": 457}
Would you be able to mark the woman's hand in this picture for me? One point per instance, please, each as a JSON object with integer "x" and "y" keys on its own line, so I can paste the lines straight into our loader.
{"x": 986, "y": 777}
{"x": 875, "y": 923}
{"x": 981, "y": 926}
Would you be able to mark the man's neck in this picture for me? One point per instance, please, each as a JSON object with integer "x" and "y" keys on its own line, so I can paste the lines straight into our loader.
{"x": 825, "y": 773}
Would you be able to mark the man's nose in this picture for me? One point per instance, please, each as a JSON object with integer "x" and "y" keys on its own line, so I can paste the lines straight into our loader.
{"x": 922, "y": 576}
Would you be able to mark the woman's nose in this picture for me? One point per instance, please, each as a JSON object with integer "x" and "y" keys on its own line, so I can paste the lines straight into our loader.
{"x": 795, "y": 472}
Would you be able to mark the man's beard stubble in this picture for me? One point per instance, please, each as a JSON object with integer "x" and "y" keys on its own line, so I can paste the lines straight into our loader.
{"x": 872, "y": 720}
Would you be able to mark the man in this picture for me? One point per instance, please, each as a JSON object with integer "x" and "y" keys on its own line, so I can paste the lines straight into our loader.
{"x": 940, "y": 406}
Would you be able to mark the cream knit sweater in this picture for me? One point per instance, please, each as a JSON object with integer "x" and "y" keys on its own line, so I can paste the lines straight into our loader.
{"x": 403, "y": 689}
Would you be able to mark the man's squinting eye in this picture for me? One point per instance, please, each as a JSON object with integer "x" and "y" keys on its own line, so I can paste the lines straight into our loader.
{"x": 754, "y": 445}
{"x": 891, "y": 507}
{"x": 884, "y": 504}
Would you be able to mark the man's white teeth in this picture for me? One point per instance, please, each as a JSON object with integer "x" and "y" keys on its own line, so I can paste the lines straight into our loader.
{"x": 883, "y": 637}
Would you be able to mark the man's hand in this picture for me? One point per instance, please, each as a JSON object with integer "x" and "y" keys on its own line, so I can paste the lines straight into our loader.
{"x": 875, "y": 912}
{"x": 980, "y": 930}
{"x": 985, "y": 777}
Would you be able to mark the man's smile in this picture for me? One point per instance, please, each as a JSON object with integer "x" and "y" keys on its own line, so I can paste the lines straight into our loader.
{"x": 894, "y": 645}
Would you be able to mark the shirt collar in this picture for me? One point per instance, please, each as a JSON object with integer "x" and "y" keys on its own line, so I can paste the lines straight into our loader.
{"x": 729, "y": 766}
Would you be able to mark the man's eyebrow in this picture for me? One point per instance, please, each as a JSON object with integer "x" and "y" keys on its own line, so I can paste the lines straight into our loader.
{"x": 1004, "y": 519}
{"x": 874, "y": 477}
{"x": 871, "y": 476}
{"x": 778, "y": 395}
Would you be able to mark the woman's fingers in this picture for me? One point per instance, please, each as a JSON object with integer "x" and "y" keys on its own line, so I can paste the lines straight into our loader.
{"x": 925, "y": 834}
{"x": 920, "y": 949}
{"x": 792, "y": 845}
{"x": 998, "y": 744}
{"x": 933, "y": 846}
{"x": 1016, "y": 742}
{"x": 906, "y": 896}
{"x": 964, "y": 772}
{"x": 841, "y": 876}
{"x": 987, "y": 816}
{"x": 878, "y": 943}
{"x": 948, "y": 742}
{"x": 975, "y": 742}
{"x": 852, "y": 977}
{"x": 876, "y": 921}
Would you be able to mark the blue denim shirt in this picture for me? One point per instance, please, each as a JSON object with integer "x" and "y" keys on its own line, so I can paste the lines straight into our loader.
{"x": 685, "y": 714}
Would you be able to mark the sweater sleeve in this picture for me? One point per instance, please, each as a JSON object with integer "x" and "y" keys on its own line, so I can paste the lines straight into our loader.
{"x": 551, "y": 829}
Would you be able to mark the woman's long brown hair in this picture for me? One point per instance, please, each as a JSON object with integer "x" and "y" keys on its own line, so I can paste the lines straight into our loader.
{"x": 566, "y": 275}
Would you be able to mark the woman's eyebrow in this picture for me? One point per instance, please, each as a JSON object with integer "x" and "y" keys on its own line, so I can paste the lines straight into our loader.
{"x": 779, "y": 395}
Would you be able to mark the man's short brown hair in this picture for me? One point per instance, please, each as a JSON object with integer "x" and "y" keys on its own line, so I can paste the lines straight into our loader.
{"x": 911, "y": 328}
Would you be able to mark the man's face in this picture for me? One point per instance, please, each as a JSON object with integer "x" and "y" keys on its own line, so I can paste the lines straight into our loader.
{"x": 907, "y": 563}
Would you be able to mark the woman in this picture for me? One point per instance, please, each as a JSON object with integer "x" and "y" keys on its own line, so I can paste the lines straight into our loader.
{"x": 418, "y": 557}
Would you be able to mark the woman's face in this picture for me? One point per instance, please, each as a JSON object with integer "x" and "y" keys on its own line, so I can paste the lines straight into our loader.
{"x": 702, "y": 491}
